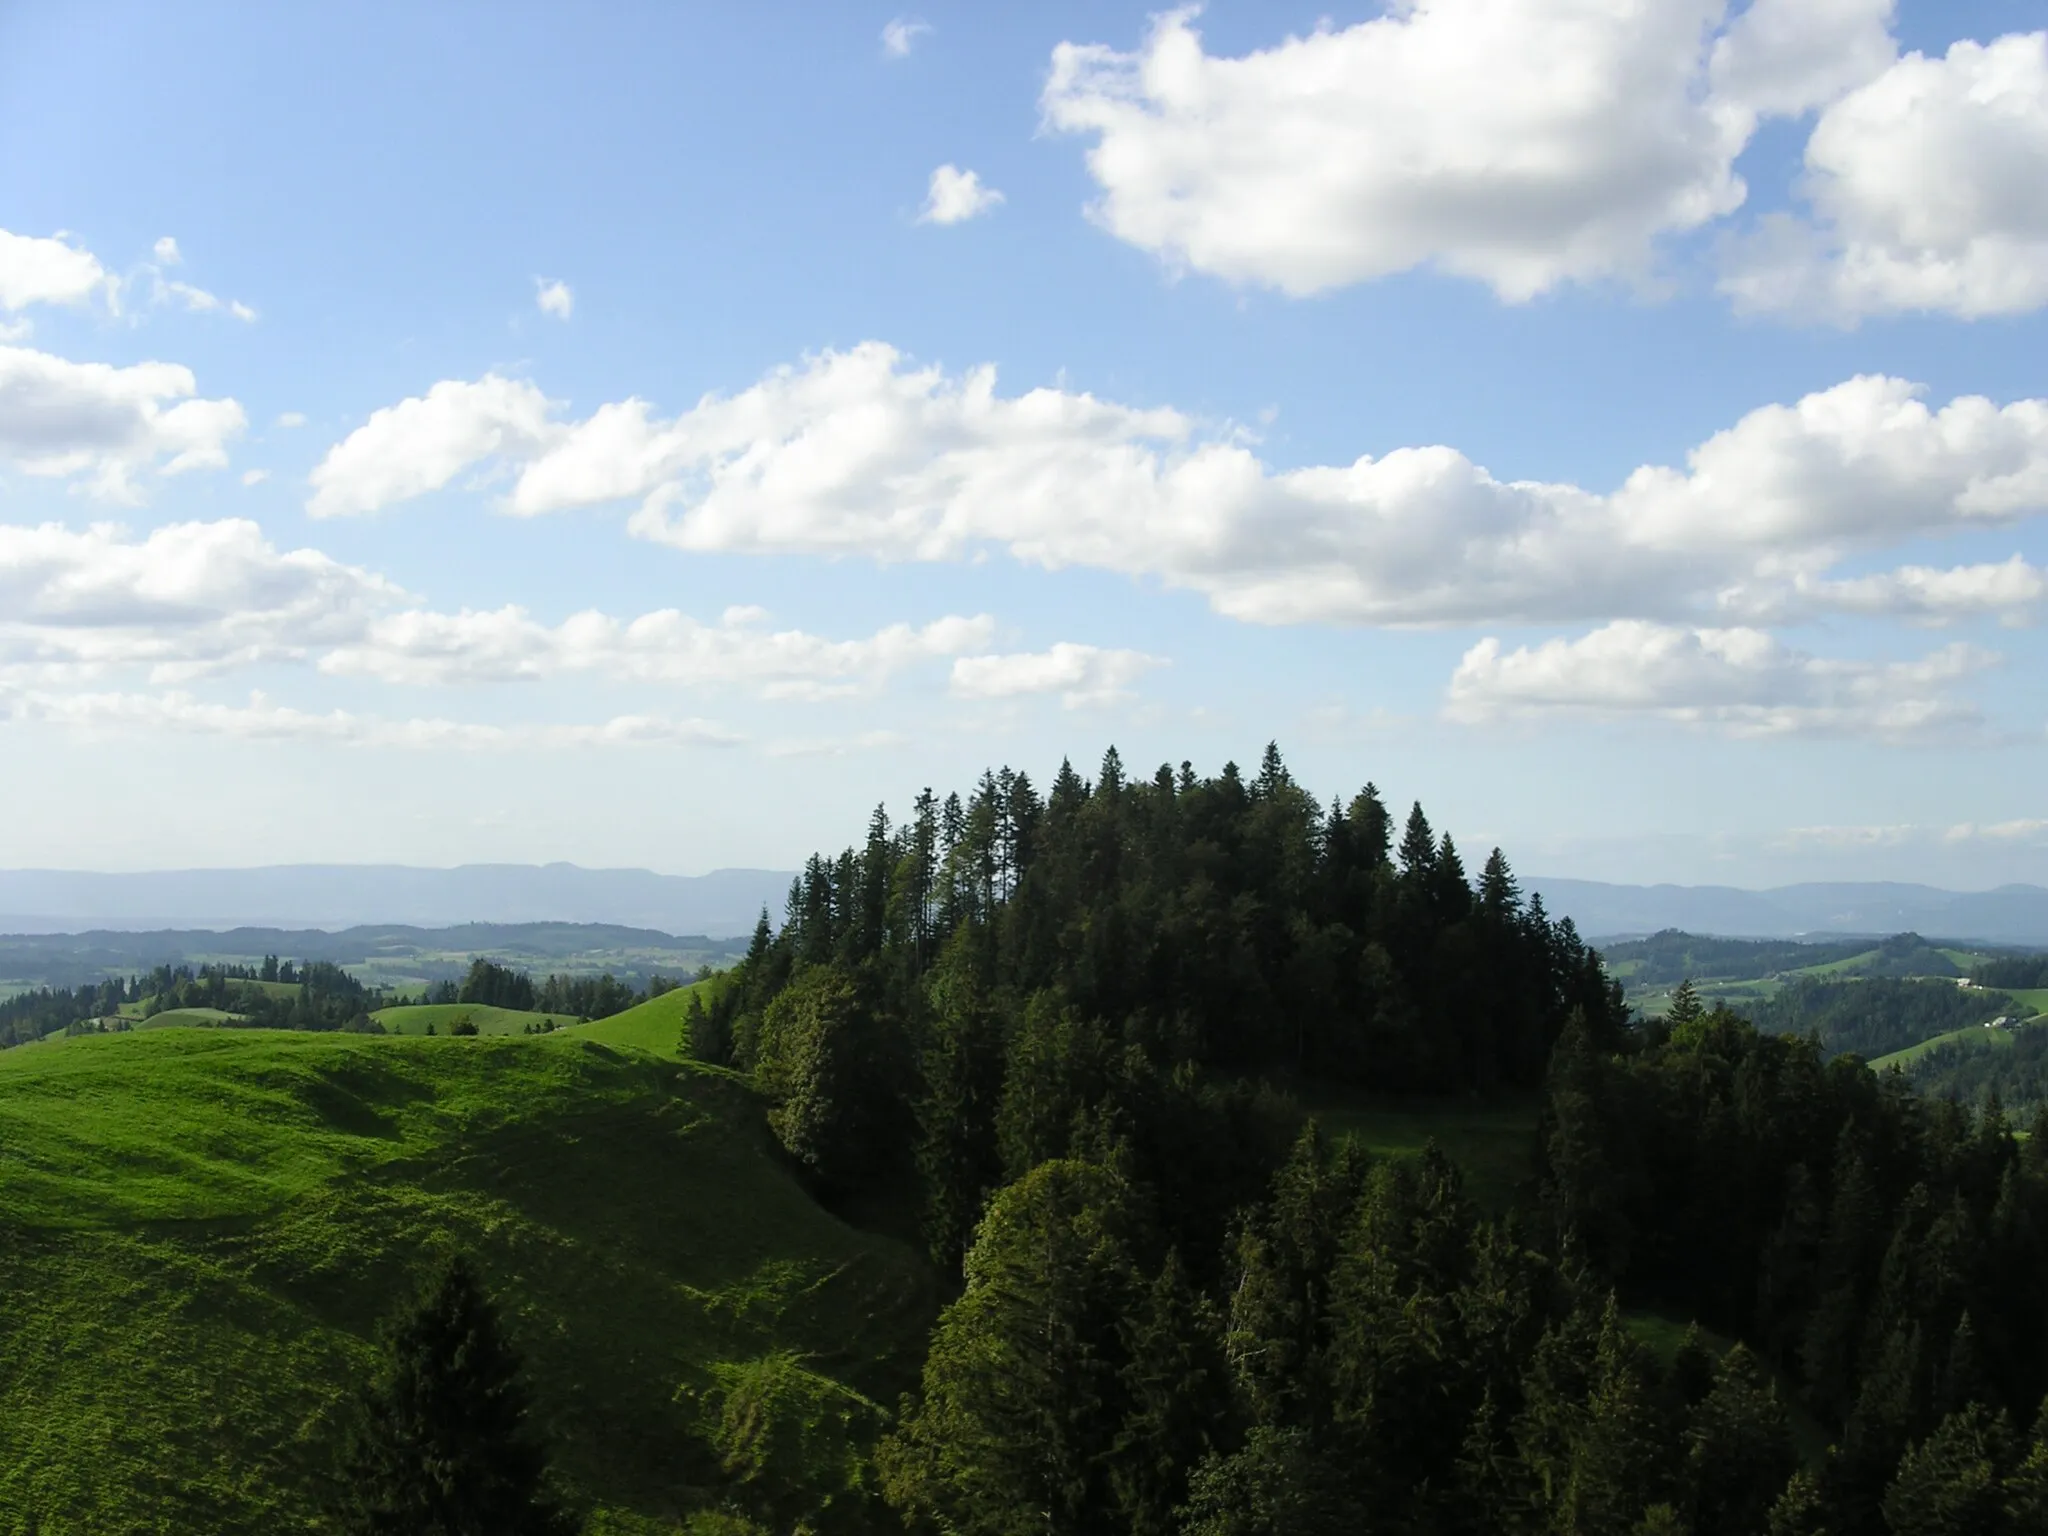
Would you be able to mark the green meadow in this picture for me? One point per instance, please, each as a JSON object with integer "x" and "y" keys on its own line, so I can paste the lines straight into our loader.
{"x": 201, "y": 1230}
{"x": 440, "y": 1018}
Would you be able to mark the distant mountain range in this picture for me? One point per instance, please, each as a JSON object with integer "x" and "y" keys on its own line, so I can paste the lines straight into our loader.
{"x": 2011, "y": 914}
{"x": 725, "y": 902}
{"x": 718, "y": 905}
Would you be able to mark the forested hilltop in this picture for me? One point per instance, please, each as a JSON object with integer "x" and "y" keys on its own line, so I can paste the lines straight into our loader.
{"x": 1068, "y": 1024}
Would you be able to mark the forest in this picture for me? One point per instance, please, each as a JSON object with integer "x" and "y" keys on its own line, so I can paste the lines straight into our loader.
{"x": 1068, "y": 1027}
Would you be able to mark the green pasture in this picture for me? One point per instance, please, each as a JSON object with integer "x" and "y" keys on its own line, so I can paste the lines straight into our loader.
{"x": 1493, "y": 1145}
{"x": 201, "y": 1230}
{"x": 1972, "y": 1035}
{"x": 416, "y": 1018}
{"x": 187, "y": 1018}
{"x": 655, "y": 1025}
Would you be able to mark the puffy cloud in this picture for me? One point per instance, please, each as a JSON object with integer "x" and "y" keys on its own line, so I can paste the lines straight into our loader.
{"x": 1743, "y": 682}
{"x": 36, "y": 270}
{"x": 1081, "y": 675}
{"x": 1786, "y": 57}
{"x": 1930, "y": 189}
{"x": 422, "y": 443}
{"x": 955, "y": 196}
{"x": 1524, "y": 143}
{"x": 110, "y": 424}
{"x": 167, "y": 252}
{"x": 187, "y": 599}
{"x": 261, "y": 720}
{"x": 668, "y": 647}
{"x": 255, "y": 476}
{"x": 554, "y": 297}
{"x": 901, "y": 35}
{"x": 859, "y": 452}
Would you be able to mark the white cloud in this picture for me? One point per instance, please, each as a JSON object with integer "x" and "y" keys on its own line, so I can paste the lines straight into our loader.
{"x": 956, "y": 196}
{"x": 421, "y": 444}
{"x": 901, "y": 35}
{"x": 2031, "y": 829}
{"x": 1742, "y": 682}
{"x": 860, "y": 452}
{"x": 2012, "y": 590}
{"x": 1930, "y": 190}
{"x": 255, "y": 476}
{"x": 1082, "y": 675}
{"x": 554, "y": 297}
{"x": 837, "y": 746}
{"x": 61, "y": 418}
{"x": 261, "y": 720}
{"x": 167, "y": 251}
{"x": 188, "y": 599}
{"x": 290, "y": 419}
{"x": 1523, "y": 143}
{"x": 1786, "y": 57}
{"x": 34, "y": 270}
{"x": 666, "y": 647}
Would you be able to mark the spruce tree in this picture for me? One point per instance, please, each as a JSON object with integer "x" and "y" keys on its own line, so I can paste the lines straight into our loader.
{"x": 440, "y": 1446}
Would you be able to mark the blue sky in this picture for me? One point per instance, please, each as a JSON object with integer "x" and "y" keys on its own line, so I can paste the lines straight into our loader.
{"x": 1325, "y": 346}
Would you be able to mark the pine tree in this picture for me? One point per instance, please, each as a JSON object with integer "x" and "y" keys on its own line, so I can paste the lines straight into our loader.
{"x": 1738, "y": 1450}
{"x": 440, "y": 1447}
{"x": 1023, "y": 1396}
{"x": 1952, "y": 1485}
{"x": 1686, "y": 1007}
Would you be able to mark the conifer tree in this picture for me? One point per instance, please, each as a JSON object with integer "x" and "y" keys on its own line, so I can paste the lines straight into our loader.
{"x": 441, "y": 1446}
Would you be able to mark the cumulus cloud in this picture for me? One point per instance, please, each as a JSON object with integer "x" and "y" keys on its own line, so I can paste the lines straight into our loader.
{"x": 901, "y": 35}
{"x": 1741, "y": 682}
{"x": 261, "y": 720}
{"x": 187, "y": 599}
{"x": 255, "y": 476}
{"x": 1523, "y": 143}
{"x": 38, "y": 270}
{"x": 422, "y": 443}
{"x": 166, "y": 251}
{"x": 554, "y": 297}
{"x": 109, "y": 425}
{"x": 1929, "y": 187}
{"x": 507, "y": 644}
{"x": 955, "y": 196}
{"x": 1082, "y": 675}
{"x": 863, "y": 453}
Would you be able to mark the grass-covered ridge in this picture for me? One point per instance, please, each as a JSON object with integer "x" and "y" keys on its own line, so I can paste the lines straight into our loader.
{"x": 200, "y": 1229}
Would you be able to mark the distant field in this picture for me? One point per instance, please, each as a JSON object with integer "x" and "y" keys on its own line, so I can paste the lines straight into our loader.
{"x": 413, "y": 1019}
{"x": 175, "y": 1018}
{"x": 1493, "y": 1145}
{"x": 1974, "y": 1034}
{"x": 1836, "y": 967}
{"x": 2035, "y": 999}
{"x": 200, "y": 1231}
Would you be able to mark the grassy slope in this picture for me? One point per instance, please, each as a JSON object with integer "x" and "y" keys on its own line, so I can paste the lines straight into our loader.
{"x": 1972, "y": 1034}
{"x": 2032, "y": 1000}
{"x": 201, "y": 1229}
{"x": 186, "y": 1018}
{"x": 655, "y": 1025}
{"x": 413, "y": 1018}
{"x": 1492, "y": 1144}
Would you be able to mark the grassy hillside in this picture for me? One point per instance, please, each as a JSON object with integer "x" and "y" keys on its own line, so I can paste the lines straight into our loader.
{"x": 655, "y": 1025}
{"x": 1974, "y": 1035}
{"x": 201, "y": 1229}
{"x": 413, "y": 1019}
{"x": 187, "y": 1018}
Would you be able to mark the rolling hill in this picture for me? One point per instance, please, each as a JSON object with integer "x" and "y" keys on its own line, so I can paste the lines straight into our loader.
{"x": 200, "y": 1231}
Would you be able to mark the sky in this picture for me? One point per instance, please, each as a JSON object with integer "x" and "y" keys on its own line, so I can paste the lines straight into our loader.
{"x": 654, "y": 435}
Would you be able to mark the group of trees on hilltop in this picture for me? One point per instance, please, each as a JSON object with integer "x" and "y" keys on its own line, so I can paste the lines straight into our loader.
{"x": 1119, "y": 965}
{"x": 579, "y": 997}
